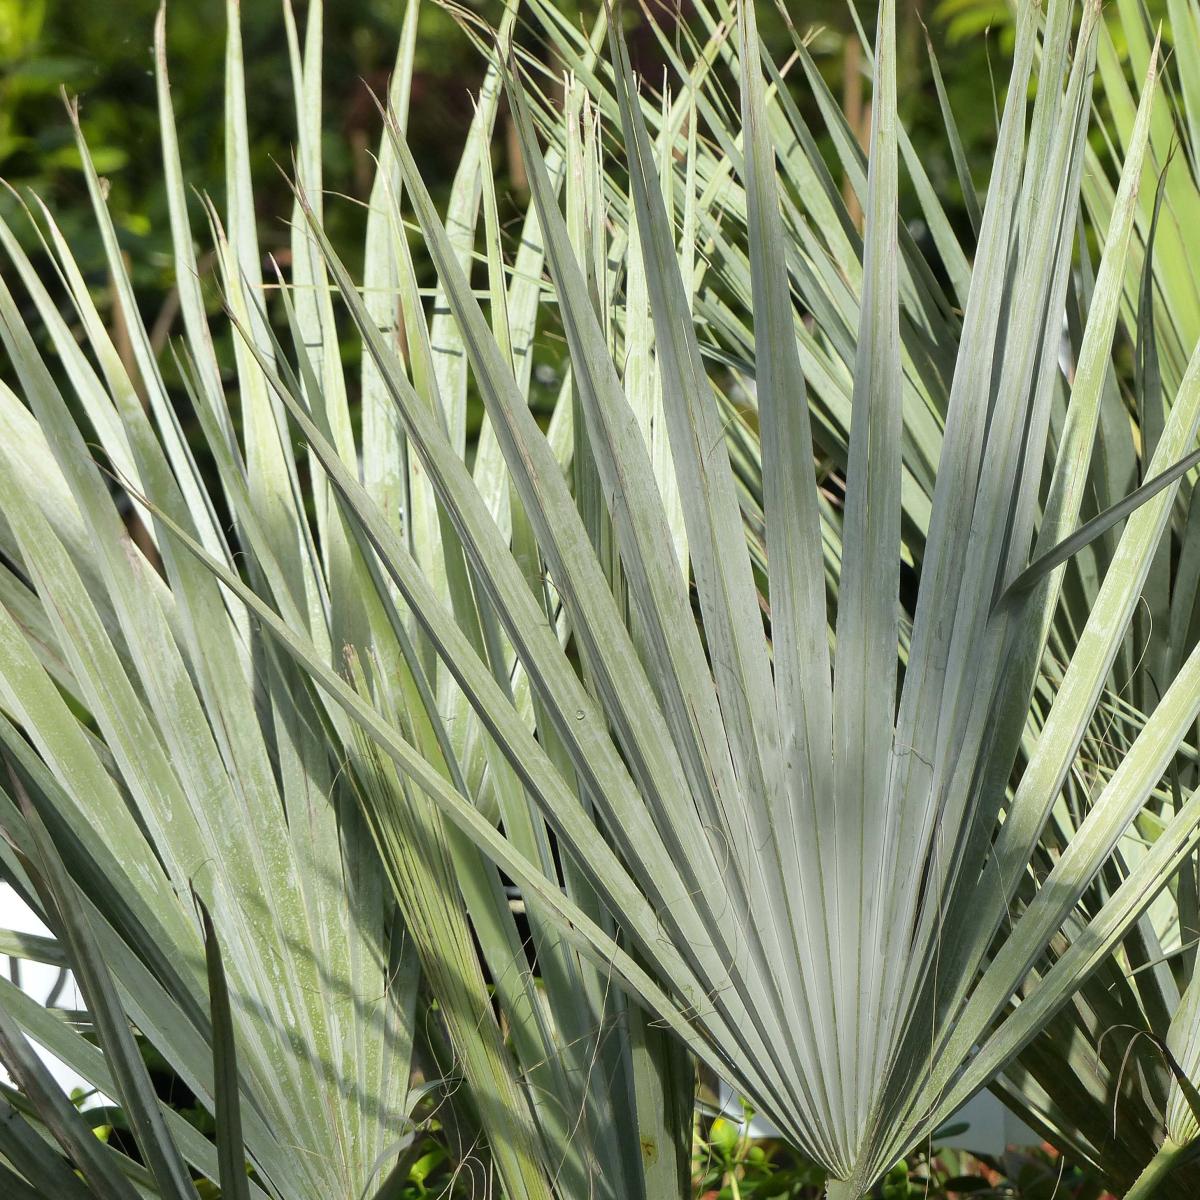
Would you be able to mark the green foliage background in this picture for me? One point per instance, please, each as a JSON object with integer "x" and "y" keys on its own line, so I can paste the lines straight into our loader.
{"x": 101, "y": 52}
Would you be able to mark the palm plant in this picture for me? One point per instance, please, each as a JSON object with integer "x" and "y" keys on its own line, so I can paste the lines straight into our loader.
{"x": 1132, "y": 1033}
{"x": 1089, "y": 378}
{"x": 1075, "y": 1080}
{"x": 159, "y": 749}
{"x": 735, "y": 777}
